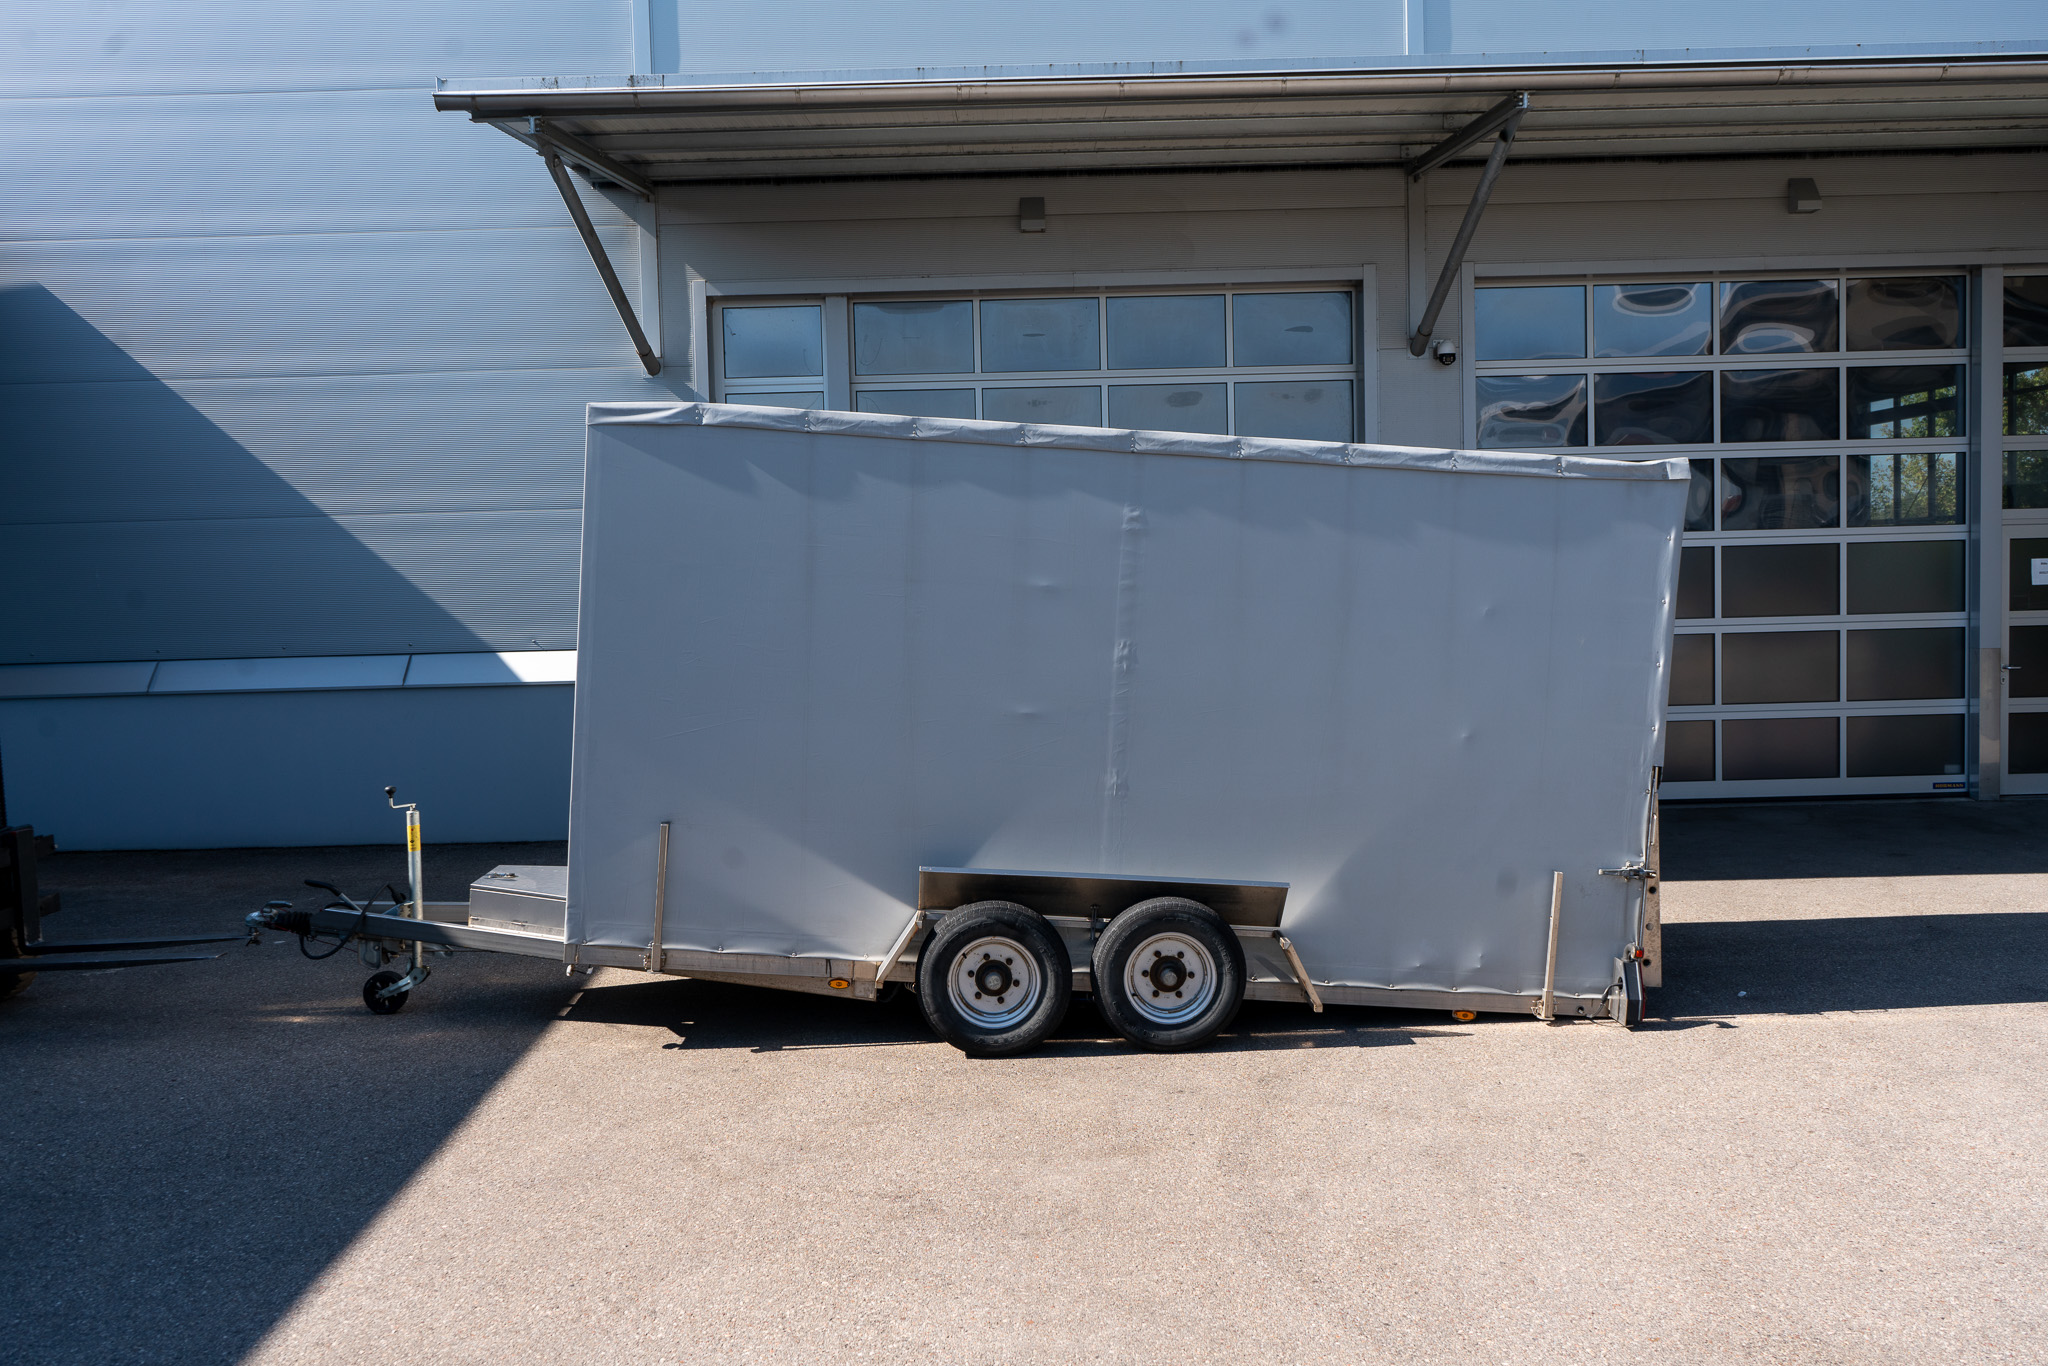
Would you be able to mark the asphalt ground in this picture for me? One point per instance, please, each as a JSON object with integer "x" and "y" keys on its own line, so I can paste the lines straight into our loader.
{"x": 1827, "y": 1145}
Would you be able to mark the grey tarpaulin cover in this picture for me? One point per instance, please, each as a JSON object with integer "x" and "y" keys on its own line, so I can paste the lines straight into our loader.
{"x": 833, "y": 647}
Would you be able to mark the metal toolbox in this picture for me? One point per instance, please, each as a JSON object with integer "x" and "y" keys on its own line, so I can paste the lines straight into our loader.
{"x": 525, "y": 900}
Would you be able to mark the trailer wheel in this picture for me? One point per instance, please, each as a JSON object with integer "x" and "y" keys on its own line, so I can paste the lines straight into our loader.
{"x": 383, "y": 1005}
{"x": 994, "y": 979}
{"x": 1169, "y": 974}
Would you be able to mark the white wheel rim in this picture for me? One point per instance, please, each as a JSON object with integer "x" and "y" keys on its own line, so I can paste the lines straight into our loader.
{"x": 1170, "y": 978}
{"x": 994, "y": 982}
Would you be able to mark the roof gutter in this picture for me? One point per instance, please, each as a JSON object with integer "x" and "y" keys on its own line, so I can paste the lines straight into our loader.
{"x": 647, "y": 94}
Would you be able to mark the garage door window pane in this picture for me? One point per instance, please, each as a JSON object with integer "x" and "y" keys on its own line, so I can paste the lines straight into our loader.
{"x": 1899, "y": 746}
{"x": 1780, "y": 405}
{"x": 2026, "y": 399}
{"x": 1040, "y": 334}
{"x": 2027, "y": 742}
{"x": 1652, "y": 320}
{"x": 1779, "y": 581}
{"x": 1689, "y": 752}
{"x": 1906, "y": 313}
{"x": 1889, "y": 402}
{"x": 781, "y": 398}
{"x": 2026, "y": 575}
{"x": 1780, "y": 494}
{"x": 1168, "y": 407}
{"x": 2028, "y": 657}
{"x": 1896, "y": 666}
{"x": 1699, "y": 497}
{"x": 1291, "y": 329}
{"x": 2026, "y": 310}
{"x": 1061, "y": 405}
{"x": 1695, "y": 582}
{"x": 1540, "y": 322}
{"x": 1531, "y": 412}
{"x": 1654, "y": 410}
{"x": 1692, "y": 671}
{"x": 1789, "y": 747}
{"x": 2026, "y": 479}
{"x": 1779, "y": 666}
{"x": 1771, "y": 316}
{"x": 1905, "y": 490}
{"x": 1166, "y": 332}
{"x": 1305, "y": 410}
{"x": 914, "y": 337}
{"x": 1905, "y": 576}
{"x": 916, "y": 402}
{"x": 761, "y": 342}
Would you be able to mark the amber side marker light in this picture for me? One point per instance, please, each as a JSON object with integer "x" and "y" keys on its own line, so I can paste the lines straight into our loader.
{"x": 839, "y": 984}
{"x": 1468, "y": 1016}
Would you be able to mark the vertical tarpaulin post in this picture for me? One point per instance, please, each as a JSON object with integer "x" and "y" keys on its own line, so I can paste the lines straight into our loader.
{"x": 1549, "y": 1011}
{"x": 657, "y": 951}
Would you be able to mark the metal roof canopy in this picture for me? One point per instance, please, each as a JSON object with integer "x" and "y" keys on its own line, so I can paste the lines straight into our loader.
{"x": 640, "y": 133}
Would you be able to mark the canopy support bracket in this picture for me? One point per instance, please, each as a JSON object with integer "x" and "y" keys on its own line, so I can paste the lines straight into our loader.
{"x": 648, "y": 359}
{"x": 1504, "y": 118}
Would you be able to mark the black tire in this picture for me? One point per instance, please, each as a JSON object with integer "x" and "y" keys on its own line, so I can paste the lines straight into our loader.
{"x": 1200, "y": 984}
{"x": 384, "y": 1005}
{"x": 1018, "y": 959}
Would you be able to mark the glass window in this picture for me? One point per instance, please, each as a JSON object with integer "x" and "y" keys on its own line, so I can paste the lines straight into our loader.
{"x": 914, "y": 337}
{"x": 1066, "y": 405}
{"x": 1652, "y": 320}
{"x": 1165, "y": 332}
{"x": 1780, "y": 747}
{"x": 1692, "y": 671}
{"x": 1780, "y": 405}
{"x": 1893, "y": 401}
{"x": 1699, "y": 498}
{"x": 2026, "y": 399}
{"x": 1901, "y": 746}
{"x": 1523, "y": 412}
{"x": 1654, "y": 410}
{"x": 1689, "y": 752}
{"x": 1780, "y": 666}
{"x": 2028, "y": 661}
{"x": 1794, "y": 493}
{"x": 781, "y": 398}
{"x": 2026, "y": 479}
{"x": 2026, "y": 576}
{"x": 1291, "y": 329}
{"x": 1906, "y": 313}
{"x": 1905, "y": 490}
{"x": 1780, "y": 580}
{"x": 1168, "y": 407}
{"x": 1695, "y": 582}
{"x": 916, "y": 402}
{"x": 1762, "y": 317}
{"x": 1535, "y": 322}
{"x": 784, "y": 340}
{"x": 2026, "y": 745}
{"x": 1040, "y": 334}
{"x": 1905, "y": 576}
{"x": 1306, "y": 410}
{"x": 1890, "y": 666}
{"x": 2026, "y": 310}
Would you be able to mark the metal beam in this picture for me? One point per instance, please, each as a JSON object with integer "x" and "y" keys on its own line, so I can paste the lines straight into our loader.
{"x": 1418, "y": 343}
{"x": 539, "y": 134}
{"x": 1486, "y": 124}
{"x": 574, "y": 201}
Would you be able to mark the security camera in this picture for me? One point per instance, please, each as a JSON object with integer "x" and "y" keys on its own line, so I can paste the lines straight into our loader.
{"x": 1446, "y": 352}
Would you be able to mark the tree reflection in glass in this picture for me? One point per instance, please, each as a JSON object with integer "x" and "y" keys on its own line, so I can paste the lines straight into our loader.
{"x": 1904, "y": 490}
{"x": 1909, "y": 401}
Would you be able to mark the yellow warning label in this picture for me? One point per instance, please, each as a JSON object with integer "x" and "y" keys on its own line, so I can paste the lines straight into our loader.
{"x": 412, "y": 839}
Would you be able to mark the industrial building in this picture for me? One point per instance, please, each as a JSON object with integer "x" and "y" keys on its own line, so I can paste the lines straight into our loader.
{"x": 301, "y": 314}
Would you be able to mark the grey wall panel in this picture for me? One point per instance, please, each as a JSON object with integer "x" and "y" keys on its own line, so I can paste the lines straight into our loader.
{"x": 347, "y": 303}
{"x": 1606, "y": 25}
{"x": 244, "y": 45}
{"x": 143, "y": 450}
{"x": 248, "y": 769}
{"x": 271, "y": 162}
{"x": 387, "y": 584}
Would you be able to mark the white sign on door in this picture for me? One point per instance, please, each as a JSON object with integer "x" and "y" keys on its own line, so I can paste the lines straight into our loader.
{"x": 2040, "y": 570}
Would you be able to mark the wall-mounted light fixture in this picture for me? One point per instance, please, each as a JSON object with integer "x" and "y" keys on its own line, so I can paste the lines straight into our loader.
{"x": 1802, "y": 196}
{"x": 1031, "y": 214}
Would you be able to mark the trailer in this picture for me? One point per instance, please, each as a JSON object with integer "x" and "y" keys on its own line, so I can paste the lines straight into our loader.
{"x": 1004, "y": 713}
